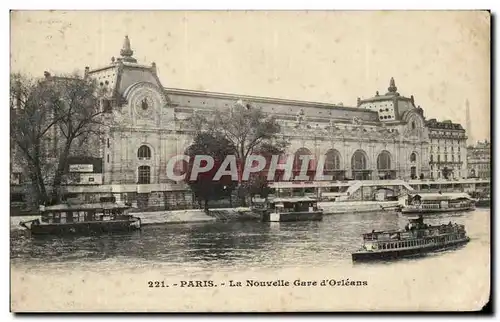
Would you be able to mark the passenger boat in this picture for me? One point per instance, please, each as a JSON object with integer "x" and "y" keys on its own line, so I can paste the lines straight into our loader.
{"x": 416, "y": 239}
{"x": 104, "y": 217}
{"x": 483, "y": 202}
{"x": 292, "y": 209}
{"x": 482, "y": 198}
{"x": 436, "y": 202}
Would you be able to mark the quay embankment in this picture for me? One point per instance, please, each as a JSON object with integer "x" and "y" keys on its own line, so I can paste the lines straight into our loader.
{"x": 196, "y": 216}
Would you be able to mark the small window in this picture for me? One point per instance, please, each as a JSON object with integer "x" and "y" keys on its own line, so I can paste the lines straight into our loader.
{"x": 144, "y": 153}
{"x": 91, "y": 179}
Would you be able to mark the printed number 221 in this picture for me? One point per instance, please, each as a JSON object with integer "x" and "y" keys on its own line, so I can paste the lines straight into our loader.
{"x": 156, "y": 284}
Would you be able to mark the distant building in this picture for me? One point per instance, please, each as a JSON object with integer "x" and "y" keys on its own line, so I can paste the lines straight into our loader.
{"x": 447, "y": 149}
{"x": 479, "y": 160}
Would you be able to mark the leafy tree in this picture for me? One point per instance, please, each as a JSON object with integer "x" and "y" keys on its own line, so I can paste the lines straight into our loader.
{"x": 31, "y": 119}
{"x": 259, "y": 185}
{"x": 250, "y": 131}
{"x": 51, "y": 119}
{"x": 80, "y": 119}
{"x": 204, "y": 186}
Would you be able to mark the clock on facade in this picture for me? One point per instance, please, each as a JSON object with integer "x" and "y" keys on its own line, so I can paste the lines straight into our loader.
{"x": 145, "y": 100}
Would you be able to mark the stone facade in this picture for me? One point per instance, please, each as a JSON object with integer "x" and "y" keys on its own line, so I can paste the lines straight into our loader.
{"x": 479, "y": 160}
{"x": 152, "y": 125}
{"x": 448, "y": 152}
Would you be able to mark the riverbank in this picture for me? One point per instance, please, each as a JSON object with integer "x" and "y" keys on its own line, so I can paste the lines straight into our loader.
{"x": 175, "y": 216}
{"x": 196, "y": 216}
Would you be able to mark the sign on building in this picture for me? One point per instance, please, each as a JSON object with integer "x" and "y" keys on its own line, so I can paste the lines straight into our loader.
{"x": 81, "y": 168}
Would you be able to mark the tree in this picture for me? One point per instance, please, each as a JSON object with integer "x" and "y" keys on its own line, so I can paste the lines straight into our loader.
{"x": 204, "y": 186}
{"x": 250, "y": 131}
{"x": 31, "y": 119}
{"x": 80, "y": 120}
{"x": 50, "y": 119}
{"x": 258, "y": 185}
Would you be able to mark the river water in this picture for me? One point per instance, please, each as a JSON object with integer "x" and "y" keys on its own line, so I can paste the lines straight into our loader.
{"x": 112, "y": 272}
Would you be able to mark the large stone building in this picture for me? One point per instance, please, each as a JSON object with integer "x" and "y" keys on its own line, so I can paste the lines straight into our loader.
{"x": 448, "y": 149}
{"x": 479, "y": 160}
{"x": 383, "y": 137}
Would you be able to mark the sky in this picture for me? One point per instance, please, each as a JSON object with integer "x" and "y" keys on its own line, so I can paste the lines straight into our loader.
{"x": 442, "y": 58}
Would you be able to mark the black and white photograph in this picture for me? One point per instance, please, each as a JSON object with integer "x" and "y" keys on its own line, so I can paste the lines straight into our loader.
{"x": 250, "y": 160}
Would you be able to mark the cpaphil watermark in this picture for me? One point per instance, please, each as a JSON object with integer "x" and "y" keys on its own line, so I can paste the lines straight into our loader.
{"x": 254, "y": 164}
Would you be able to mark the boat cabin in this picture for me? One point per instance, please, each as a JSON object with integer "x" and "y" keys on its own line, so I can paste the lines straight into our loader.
{"x": 439, "y": 200}
{"x": 304, "y": 204}
{"x": 416, "y": 233}
{"x": 66, "y": 213}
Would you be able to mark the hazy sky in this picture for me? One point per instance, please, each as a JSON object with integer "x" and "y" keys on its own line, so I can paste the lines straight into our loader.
{"x": 442, "y": 58}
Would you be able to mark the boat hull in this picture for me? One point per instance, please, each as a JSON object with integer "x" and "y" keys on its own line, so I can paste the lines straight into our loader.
{"x": 392, "y": 254}
{"x": 483, "y": 203}
{"x": 294, "y": 216}
{"x": 342, "y": 207}
{"x": 83, "y": 227}
{"x": 428, "y": 211}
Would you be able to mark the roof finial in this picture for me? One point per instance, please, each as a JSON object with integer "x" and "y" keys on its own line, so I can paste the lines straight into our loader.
{"x": 392, "y": 86}
{"x": 126, "y": 52}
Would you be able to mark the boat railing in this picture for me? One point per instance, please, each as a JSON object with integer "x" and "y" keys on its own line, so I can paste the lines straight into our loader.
{"x": 413, "y": 232}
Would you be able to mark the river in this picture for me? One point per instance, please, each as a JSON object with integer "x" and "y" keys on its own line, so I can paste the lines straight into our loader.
{"x": 112, "y": 272}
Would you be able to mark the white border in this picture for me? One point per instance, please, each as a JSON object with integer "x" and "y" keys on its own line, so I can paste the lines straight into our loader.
{"x": 192, "y": 5}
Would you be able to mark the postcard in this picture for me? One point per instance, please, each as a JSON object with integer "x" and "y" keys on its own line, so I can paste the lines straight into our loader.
{"x": 250, "y": 161}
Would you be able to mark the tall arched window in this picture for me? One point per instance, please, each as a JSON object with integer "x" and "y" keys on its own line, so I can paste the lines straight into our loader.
{"x": 413, "y": 157}
{"x": 333, "y": 165}
{"x": 358, "y": 161}
{"x": 332, "y": 161}
{"x": 144, "y": 153}
{"x": 359, "y": 166}
{"x": 144, "y": 175}
{"x": 384, "y": 161}
{"x": 297, "y": 162}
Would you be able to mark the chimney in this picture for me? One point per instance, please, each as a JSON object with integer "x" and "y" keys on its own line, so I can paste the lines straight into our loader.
{"x": 46, "y": 74}
{"x": 86, "y": 74}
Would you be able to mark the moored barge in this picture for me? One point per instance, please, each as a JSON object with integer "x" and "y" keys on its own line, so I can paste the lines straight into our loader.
{"x": 416, "y": 239}
{"x": 292, "y": 209}
{"x": 93, "y": 218}
{"x": 436, "y": 203}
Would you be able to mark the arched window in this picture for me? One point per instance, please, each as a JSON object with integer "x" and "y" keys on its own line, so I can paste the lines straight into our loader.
{"x": 384, "y": 161}
{"x": 297, "y": 162}
{"x": 144, "y": 175}
{"x": 332, "y": 161}
{"x": 333, "y": 165}
{"x": 144, "y": 153}
{"x": 413, "y": 157}
{"x": 358, "y": 161}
